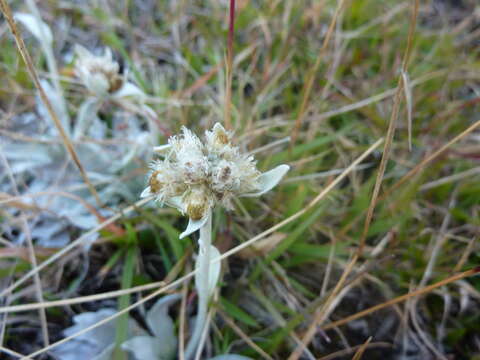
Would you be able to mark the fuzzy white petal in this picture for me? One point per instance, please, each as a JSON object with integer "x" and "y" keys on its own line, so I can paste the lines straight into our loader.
{"x": 269, "y": 180}
{"x": 97, "y": 83}
{"x": 82, "y": 52}
{"x": 146, "y": 193}
{"x": 129, "y": 89}
{"x": 162, "y": 148}
{"x": 230, "y": 357}
{"x": 176, "y": 202}
{"x": 194, "y": 225}
{"x": 37, "y": 27}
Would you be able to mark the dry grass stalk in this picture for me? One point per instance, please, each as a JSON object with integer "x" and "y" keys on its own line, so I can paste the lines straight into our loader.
{"x": 307, "y": 89}
{"x": 399, "y": 299}
{"x": 359, "y": 353}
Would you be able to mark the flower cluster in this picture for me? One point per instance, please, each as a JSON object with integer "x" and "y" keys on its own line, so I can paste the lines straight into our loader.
{"x": 100, "y": 74}
{"x": 194, "y": 176}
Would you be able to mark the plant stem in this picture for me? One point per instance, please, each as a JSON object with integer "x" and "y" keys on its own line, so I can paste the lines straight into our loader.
{"x": 203, "y": 287}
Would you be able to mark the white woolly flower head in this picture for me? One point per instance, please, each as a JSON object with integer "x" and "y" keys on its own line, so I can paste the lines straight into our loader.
{"x": 100, "y": 74}
{"x": 194, "y": 176}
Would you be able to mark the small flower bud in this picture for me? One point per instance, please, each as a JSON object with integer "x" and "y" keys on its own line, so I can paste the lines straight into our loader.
{"x": 220, "y": 135}
{"x": 196, "y": 203}
{"x": 154, "y": 181}
{"x": 100, "y": 74}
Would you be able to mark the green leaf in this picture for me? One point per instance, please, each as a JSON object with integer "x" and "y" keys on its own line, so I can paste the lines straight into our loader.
{"x": 296, "y": 233}
{"x": 237, "y": 313}
{"x": 124, "y": 301}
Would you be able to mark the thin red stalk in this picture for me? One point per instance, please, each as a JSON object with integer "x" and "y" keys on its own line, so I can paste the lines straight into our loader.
{"x": 228, "y": 92}
{"x": 231, "y": 28}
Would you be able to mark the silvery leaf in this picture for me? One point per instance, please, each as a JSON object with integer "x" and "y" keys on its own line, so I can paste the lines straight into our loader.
{"x": 129, "y": 89}
{"x": 56, "y": 101}
{"x": 37, "y": 27}
{"x": 213, "y": 273}
{"x": 194, "y": 225}
{"x": 146, "y": 192}
{"x": 81, "y": 51}
{"x": 85, "y": 115}
{"x": 147, "y": 348}
{"x": 230, "y": 357}
{"x": 269, "y": 180}
{"x": 50, "y": 232}
{"x": 161, "y": 325}
{"x": 76, "y": 350}
{"x": 101, "y": 336}
{"x": 162, "y": 148}
{"x": 175, "y": 202}
{"x": 105, "y": 354}
{"x": 27, "y": 157}
{"x": 96, "y": 344}
{"x": 97, "y": 84}
{"x": 89, "y": 344}
{"x": 142, "y": 142}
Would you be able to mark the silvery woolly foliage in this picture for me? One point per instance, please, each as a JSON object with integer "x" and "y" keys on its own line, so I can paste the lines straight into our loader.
{"x": 43, "y": 165}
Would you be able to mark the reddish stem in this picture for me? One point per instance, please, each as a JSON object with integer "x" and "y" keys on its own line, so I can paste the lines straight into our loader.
{"x": 231, "y": 31}
{"x": 231, "y": 28}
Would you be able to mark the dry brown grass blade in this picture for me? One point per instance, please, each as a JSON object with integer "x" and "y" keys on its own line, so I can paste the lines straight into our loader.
{"x": 466, "y": 254}
{"x": 80, "y": 299}
{"x": 319, "y": 317}
{"x": 358, "y": 355}
{"x": 344, "y": 352}
{"x": 390, "y": 131}
{"x": 11, "y": 352}
{"x": 430, "y": 158}
{"x": 201, "y": 81}
{"x": 5, "y": 8}
{"x": 399, "y": 299}
{"x": 416, "y": 169}
{"x": 307, "y": 89}
{"x": 244, "y": 336}
{"x": 21, "y": 252}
